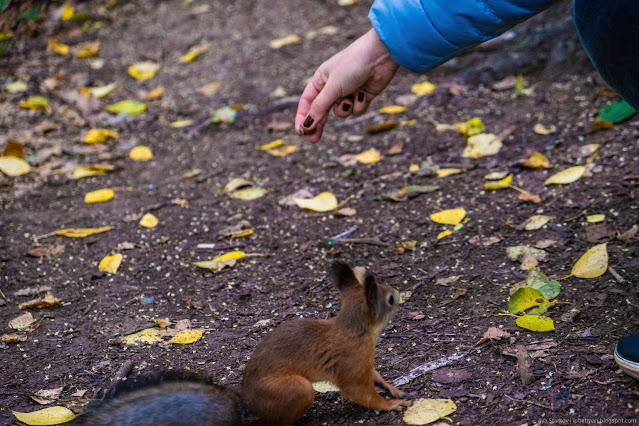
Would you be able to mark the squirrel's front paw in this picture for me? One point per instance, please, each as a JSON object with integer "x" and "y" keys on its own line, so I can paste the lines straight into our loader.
{"x": 396, "y": 392}
{"x": 399, "y": 404}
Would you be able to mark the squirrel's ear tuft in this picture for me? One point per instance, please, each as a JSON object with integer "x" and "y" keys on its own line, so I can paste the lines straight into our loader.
{"x": 370, "y": 288}
{"x": 342, "y": 275}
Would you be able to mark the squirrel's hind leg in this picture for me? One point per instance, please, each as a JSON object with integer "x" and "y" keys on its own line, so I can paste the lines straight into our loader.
{"x": 279, "y": 399}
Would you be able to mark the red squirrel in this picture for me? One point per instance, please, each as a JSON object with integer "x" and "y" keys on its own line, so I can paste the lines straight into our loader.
{"x": 277, "y": 382}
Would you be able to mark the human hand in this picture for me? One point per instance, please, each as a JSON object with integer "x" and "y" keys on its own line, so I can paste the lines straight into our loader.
{"x": 347, "y": 82}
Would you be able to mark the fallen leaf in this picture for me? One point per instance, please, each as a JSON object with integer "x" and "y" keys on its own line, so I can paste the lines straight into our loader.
{"x": 447, "y": 172}
{"x": 14, "y": 166}
{"x": 493, "y": 333}
{"x": 81, "y": 232}
{"x": 581, "y": 151}
{"x": 127, "y": 107}
{"x": 13, "y": 338}
{"x": 496, "y": 175}
{"x": 147, "y": 336}
{"x": 272, "y": 145}
{"x": 185, "y": 337}
{"x": 535, "y": 160}
{"x": 193, "y": 54}
{"x": 22, "y": 322}
{"x": 524, "y": 299}
{"x": 228, "y": 259}
{"x": 524, "y": 363}
{"x": 156, "y": 93}
{"x": 599, "y": 123}
{"x": 516, "y": 252}
{"x": 424, "y": 411}
{"x": 88, "y": 49}
{"x": 346, "y": 2}
{"x": 324, "y": 202}
{"x": 102, "y": 91}
{"x": 423, "y": 88}
{"x": 369, "y": 156}
{"x": 141, "y": 153}
{"x": 527, "y": 196}
{"x": 449, "y": 217}
{"x": 596, "y": 218}
{"x": 480, "y": 240}
{"x": 617, "y": 112}
{"x": 143, "y": 70}
{"x": 211, "y": 88}
{"x": 92, "y": 170}
{"x": 482, "y": 145}
{"x": 542, "y": 244}
{"x": 181, "y": 123}
{"x": 567, "y": 176}
{"x": 223, "y": 115}
{"x": 248, "y": 194}
{"x": 393, "y": 109}
{"x": 536, "y": 323}
{"x": 46, "y": 416}
{"x": 593, "y": 263}
{"x": 539, "y": 281}
{"x": 237, "y": 183}
{"x": 99, "y": 196}
{"x": 111, "y": 264}
{"x": 100, "y": 135}
{"x": 345, "y": 211}
{"x": 244, "y": 233}
{"x": 47, "y": 396}
{"x": 628, "y": 234}
{"x": 284, "y": 41}
{"x": 500, "y": 184}
{"x": 324, "y": 387}
{"x": 540, "y": 129}
{"x": 536, "y": 222}
{"x": 46, "y": 250}
{"x": 396, "y": 149}
{"x": 16, "y": 87}
{"x": 35, "y": 102}
{"x": 53, "y": 45}
{"x": 444, "y": 234}
{"x": 472, "y": 127}
{"x": 47, "y": 301}
{"x": 149, "y": 221}
{"x": 382, "y": 127}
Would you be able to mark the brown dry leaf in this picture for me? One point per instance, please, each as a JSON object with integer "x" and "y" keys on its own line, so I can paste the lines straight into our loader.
{"x": 163, "y": 322}
{"x": 23, "y": 322}
{"x": 13, "y": 149}
{"x": 47, "y": 396}
{"x": 45, "y": 250}
{"x": 284, "y": 41}
{"x": 524, "y": 362}
{"x": 543, "y": 244}
{"x": 278, "y": 126}
{"x": 345, "y": 211}
{"x": 599, "y": 123}
{"x": 210, "y": 88}
{"x": 582, "y": 151}
{"x": 47, "y": 301}
{"x": 527, "y": 196}
{"x": 13, "y": 338}
{"x": 480, "y": 240}
{"x": 630, "y": 233}
{"x": 540, "y": 129}
{"x": 493, "y": 333}
{"x": 396, "y": 149}
{"x": 386, "y": 125}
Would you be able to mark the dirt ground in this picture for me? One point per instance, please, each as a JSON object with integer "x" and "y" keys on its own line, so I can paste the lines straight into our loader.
{"x": 458, "y": 286}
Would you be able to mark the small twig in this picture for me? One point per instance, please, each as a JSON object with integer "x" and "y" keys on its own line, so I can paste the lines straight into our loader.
{"x": 371, "y": 241}
{"x": 530, "y": 402}
{"x": 91, "y": 305}
{"x": 5, "y": 297}
{"x": 615, "y": 274}
{"x": 437, "y": 272}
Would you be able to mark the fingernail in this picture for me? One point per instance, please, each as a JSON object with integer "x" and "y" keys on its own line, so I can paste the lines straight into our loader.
{"x": 346, "y": 107}
{"x": 360, "y": 96}
{"x": 308, "y": 122}
{"x": 351, "y": 98}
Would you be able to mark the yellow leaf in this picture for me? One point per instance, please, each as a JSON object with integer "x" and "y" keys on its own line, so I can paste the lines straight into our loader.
{"x": 187, "y": 336}
{"x": 324, "y": 202}
{"x": 99, "y": 196}
{"x": 540, "y": 129}
{"x": 275, "y": 144}
{"x": 129, "y": 107}
{"x": 369, "y": 156}
{"x": 536, "y": 160}
{"x": 500, "y": 184}
{"x": 81, "y": 232}
{"x": 149, "y": 221}
{"x": 143, "y": 70}
{"x": 237, "y": 183}
{"x": 525, "y": 298}
{"x": 424, "y": 411}
{"x": 57, "y": 47}
{"x": 284, "y": 41}
{"x": 283, "y": 151}
{"x": 92, "y": 170}
{"x": 346, "y": 2}
{"x": 35, "y": 102}
{"x": 194, "y": 53}
{"x": 14, "y": 166}
{"x": 593, "y": 263}
{"x": 210, "y": 88}
{"x": 244, "y": 233}
{"x": 481, "y": 145}
{"x": 181, "y": 123}
{"x": 100, "y": 135}
{"x": 472, "y": 127}
{"x": 102, "y": 91}
{"x": 16, "y": 86}
{"x": 444, "y": 234}
{"x": 155, "y": 93}
{"x": 110, "y": 263}
{"x": 141, "y": 153}
{"x": 449, "y": 217}
{"x": 47, "y": 416}
{"x": 567, "y": 176}
{"x": 535, "y": 323}
{"x": 393, "y": 109}
{"x": 248, "y": 194}
{"x": 537, "y": 221}
{"x": 413, "y": 168}
{"x": 421, "y": 89}
{"x": 67, "y": 12}
{"x": 88, "y": 50}
{"x": 146, "y": 336}
{"x": 596, "y": 218}
{"x": 447, "y": 172}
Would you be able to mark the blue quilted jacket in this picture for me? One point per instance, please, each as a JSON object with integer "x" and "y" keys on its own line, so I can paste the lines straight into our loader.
{"x": 421, "y": 34}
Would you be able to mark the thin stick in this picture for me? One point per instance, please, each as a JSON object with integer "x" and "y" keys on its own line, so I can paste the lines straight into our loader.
{"x": 371, "y": 241}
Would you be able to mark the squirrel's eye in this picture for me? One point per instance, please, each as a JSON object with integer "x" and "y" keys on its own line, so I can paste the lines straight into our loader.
{"x": 391, "y": 299}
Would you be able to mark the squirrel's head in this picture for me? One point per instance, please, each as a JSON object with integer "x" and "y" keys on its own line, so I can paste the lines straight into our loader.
{"x": 363, "y": 297}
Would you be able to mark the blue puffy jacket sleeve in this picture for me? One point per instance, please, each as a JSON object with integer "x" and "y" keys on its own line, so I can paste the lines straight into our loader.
{"x": 421, "y": 34}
